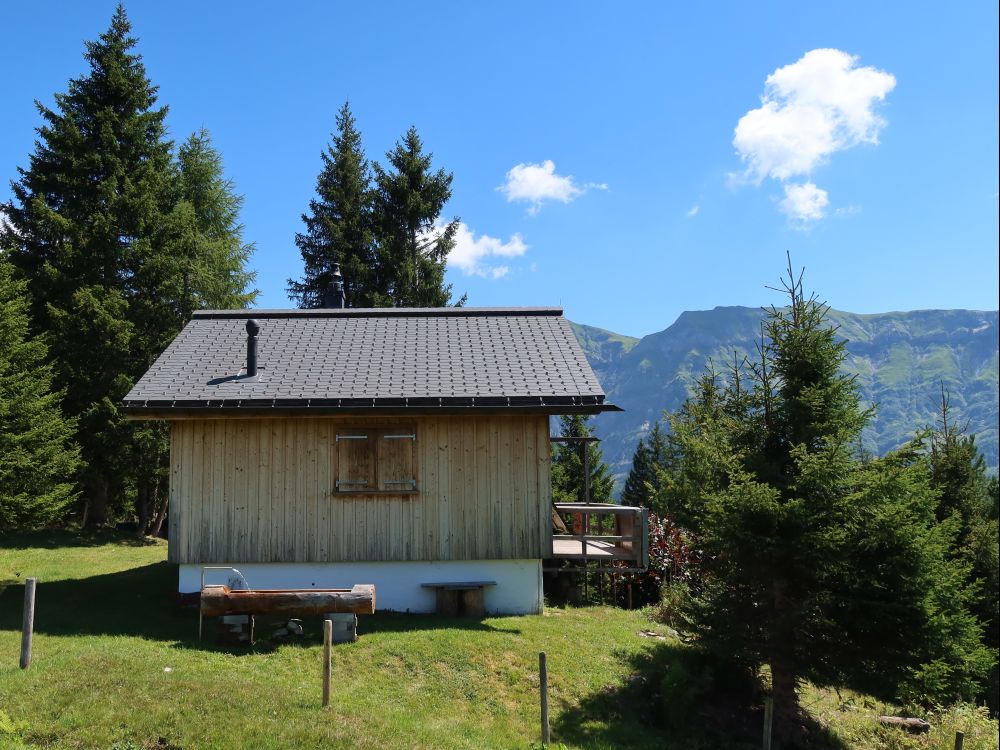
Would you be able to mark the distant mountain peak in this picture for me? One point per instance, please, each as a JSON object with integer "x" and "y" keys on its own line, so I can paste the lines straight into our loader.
{"x": 901, "y": 360}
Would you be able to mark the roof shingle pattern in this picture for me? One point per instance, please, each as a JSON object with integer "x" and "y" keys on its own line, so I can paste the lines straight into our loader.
{"x": 379, "y": 354}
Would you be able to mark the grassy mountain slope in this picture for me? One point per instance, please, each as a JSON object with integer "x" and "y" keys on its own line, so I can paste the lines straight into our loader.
{"x": 901, "y": 360}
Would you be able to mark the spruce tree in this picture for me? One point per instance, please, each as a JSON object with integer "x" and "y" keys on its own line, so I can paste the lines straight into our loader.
{"x": 339, "y": 225}
{"x": 117, "y": 244}
{"x": 38, "y": 461}
{"x": 815, "y": 564}
{"x": 567, "y": 465}
{"x": 967, "y": 497}
{"x": 412, "y": 245}
{"x": 635, "y": 490}
{"x": 649, "y": 458}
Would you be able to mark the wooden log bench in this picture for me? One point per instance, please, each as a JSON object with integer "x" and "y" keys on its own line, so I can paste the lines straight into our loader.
{"x": 456, "y": 598}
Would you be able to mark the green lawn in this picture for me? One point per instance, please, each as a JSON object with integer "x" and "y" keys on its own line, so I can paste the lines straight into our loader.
{"x": 107, "y": 632}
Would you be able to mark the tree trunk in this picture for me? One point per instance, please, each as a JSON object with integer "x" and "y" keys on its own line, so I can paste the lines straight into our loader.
{"x": 781, "y": 650}
{"x": 162, "y": 498}
{"x": 142, "y": 510}
{"x": 97, "y": 497}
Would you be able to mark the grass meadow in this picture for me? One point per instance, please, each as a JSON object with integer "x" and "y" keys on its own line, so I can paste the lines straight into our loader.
{"x": 117, "y": 664}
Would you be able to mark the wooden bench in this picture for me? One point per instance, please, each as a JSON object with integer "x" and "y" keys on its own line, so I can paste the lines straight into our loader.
{"x": 456, "y": 598}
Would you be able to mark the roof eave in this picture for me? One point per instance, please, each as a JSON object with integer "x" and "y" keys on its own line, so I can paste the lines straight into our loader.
{"x": 159, "y": 412}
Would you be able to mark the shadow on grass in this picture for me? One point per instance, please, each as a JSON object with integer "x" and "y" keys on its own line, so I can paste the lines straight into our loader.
{"x": 140, "y": 602}
{"x": 673, "y": 699}
{"x": 63, "y": 538}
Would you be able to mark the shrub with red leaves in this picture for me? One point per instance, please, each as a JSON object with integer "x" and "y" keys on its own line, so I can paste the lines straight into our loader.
{"x": 673, "y": 558}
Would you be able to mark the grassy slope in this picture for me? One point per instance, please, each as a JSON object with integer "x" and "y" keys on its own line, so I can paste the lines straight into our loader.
{"x": 106, "y": 630}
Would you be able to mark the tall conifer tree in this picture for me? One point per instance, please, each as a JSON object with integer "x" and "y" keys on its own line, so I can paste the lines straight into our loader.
{"x": 339, "y": 225}
{"x": 38, "y": 461}
{"x": 814, "y": 561}
{"x": 113, "y": 260}
{"x": 413, "y": 245}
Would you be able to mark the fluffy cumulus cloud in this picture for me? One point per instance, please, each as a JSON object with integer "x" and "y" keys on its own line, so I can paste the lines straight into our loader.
{"x": 478, "y": 256}
{"x": 821, "y": 104}
{"x": 804, "y": 202}
{"x": 537, "y": 183}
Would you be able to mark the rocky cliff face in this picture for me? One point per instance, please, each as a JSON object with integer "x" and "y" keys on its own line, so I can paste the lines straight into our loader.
{"x": 900, "y": 359}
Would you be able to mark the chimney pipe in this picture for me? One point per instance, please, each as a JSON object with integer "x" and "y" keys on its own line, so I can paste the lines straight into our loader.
{"x": 335, "y": 296}
{"x": 253, "y": 328}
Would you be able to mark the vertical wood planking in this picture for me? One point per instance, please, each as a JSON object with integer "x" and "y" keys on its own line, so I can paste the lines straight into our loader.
{"x": 505, "y": 459}
{"x": 263, "y": 481}
{"x": 530, "y": 486}
{"x": 520, "y": 490}
{"x": 323, "y": 504}
{"x": 444, "y": 490}
{"x": 259, "y": 490}
{"x": 544, "y": 478}
{"x": 472, "y": 524}
{"x": 456, "y": 479}
{"x": 496, "y": 495}
{"x": 240, "y": 519}
{"x": 428, "y": 443}
{"x": 277, "y": 490}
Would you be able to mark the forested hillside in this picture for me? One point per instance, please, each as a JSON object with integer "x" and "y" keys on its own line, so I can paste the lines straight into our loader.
{"x": 901, "y": 359}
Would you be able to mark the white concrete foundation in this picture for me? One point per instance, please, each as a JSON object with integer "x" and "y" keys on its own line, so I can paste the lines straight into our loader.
{"x": 518, "y": 589}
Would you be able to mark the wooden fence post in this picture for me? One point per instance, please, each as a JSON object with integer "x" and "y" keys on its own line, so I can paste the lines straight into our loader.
{"x": 959, "y": 740}
{"x": 768, "y": 721}
{"x": 327, "y": 643}
{"x": 543, "y": 681}
{"x": 28, "y": 624}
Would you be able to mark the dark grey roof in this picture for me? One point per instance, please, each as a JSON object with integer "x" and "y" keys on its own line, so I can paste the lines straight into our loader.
{"x": 364, "y": 359}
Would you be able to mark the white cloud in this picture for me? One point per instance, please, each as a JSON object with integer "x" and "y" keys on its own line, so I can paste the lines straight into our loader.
{"x": 693, "y": 211}
{"x": 537, "y": 183}
{"x": 811, "y": 109}
{"x": 472, "y": 255}
{"x": 804, "y": 202}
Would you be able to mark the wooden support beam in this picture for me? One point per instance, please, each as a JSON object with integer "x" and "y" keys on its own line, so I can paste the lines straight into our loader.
{"x": 221, "y": 600}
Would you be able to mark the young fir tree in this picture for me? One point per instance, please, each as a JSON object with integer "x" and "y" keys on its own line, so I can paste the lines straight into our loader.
{"x": 412, "y": 246}
{"x": 37, "y": 458}
{"x": 567, "y": 465}
{"x": 968, "y": 497}
{"x": 815, "y": 564}
{"x": 339, "y": 225}
{"x": 640, "y": 486}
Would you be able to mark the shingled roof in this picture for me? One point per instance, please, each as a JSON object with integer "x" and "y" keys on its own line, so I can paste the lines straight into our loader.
{"x": 362, "y": 360}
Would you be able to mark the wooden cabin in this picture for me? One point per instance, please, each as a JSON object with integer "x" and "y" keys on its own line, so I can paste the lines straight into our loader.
{"x": 400, "y": 447}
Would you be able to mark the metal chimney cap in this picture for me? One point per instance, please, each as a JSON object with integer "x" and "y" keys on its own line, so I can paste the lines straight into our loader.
{"x": 253, "y": 327}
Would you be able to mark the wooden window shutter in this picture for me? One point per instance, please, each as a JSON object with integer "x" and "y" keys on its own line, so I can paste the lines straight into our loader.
{"x": 355, "y": 461}
{"x": 397, "y": 460}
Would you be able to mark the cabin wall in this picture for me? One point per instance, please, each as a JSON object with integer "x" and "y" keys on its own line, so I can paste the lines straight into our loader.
{"x": 262, "y": 491}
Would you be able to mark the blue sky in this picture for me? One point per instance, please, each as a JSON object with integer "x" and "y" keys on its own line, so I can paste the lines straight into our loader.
{"x": 690, "y": 145}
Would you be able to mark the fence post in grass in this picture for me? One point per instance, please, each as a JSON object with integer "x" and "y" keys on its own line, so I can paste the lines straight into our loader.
{"x": 543, "y": 681}
{"x": 959, "y": 740}
{"x": 28, "y": 624}
{"x": 327, "y": 642}
{"x": 768, "y": 720}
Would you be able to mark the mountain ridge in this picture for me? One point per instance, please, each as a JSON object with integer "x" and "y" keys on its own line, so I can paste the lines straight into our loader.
{"x": 901, "y": 359}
